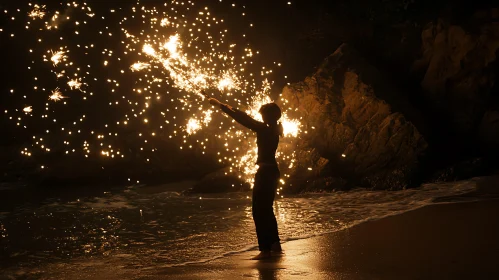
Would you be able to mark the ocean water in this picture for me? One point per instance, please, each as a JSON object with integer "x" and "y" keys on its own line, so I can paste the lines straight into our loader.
{"x": 159, "y": 226}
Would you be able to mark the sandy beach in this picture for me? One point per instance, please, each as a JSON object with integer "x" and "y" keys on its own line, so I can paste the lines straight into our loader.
{"x": 453, "y": 238}
{"x": 147, "y": 139}
{"x": 443, "y": 241}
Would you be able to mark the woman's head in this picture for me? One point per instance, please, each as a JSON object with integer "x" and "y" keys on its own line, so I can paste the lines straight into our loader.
{"x": 270, "y": 112}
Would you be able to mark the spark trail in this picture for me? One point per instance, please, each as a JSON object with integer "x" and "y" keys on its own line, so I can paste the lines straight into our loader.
{"x": 167, "y": 56}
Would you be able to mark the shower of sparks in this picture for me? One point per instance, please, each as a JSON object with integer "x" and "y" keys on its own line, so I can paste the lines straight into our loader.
{"x": 193, "y": 125}
{"x": 74, "y": 84}
{"x": 291, "y": 127}
{"x": 229, "y": 81}
{"x": 147, "y": 49}
{"x": 56, "y": 95}
{"x": 164, "y": 22}
{"x": 207, "y": 117}
{"x": 57, "y": 57}
{"x": 37, "y": 12}
{"x": 151, "y": 65}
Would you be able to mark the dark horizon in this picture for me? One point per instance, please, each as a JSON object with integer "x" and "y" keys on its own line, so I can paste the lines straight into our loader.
{"x": 299, "y": 36}
{"x": 143, "y": 144}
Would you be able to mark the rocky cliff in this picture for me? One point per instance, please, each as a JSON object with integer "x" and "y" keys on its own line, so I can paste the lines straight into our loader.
{"x": 358, "y": 121}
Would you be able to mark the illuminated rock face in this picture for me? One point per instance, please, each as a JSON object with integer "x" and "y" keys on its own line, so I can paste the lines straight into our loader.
{"x": 353, "y": 118}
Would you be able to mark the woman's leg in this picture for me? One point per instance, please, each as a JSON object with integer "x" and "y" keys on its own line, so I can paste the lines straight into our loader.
{"x": 260, "y": 205}
{"x": 264, "y": 190}
{"x": 273, "y": 182}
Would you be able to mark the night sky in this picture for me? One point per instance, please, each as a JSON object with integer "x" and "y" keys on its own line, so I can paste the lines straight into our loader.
{"x": 69, "y": 89}
{"x": 121, "y": 113}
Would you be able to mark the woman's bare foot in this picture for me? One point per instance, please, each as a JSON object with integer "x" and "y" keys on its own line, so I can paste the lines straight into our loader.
{"x": 262, "y": 255}
{"x": 276, "y": 247}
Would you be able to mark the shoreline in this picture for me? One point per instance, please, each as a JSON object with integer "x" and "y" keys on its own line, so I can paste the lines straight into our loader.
{"x": 439, "y": 241}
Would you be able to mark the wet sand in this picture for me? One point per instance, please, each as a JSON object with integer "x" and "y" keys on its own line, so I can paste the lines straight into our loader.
{"x": 443, "y": 241}
{"x": 440, "y": 241}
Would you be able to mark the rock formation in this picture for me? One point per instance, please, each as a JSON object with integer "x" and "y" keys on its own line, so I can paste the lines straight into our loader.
{"x": 356, "y": 120}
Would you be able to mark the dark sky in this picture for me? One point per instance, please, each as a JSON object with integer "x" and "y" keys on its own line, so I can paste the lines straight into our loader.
{"x": 299, "y": 35}
{"x": 275, "y": 24}
{"x": 283, "y": 33}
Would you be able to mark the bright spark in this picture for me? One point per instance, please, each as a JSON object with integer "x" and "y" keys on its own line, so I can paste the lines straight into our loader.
{"x": 57, "y": 57}
{"x": 56, "y": 95}
{"x": 74, "y": 84}
{"x": 138, "y": 66}
{"x": 28, "y": 109}
{"x": 37, "y": 12}
{"x": 193, "y": 126}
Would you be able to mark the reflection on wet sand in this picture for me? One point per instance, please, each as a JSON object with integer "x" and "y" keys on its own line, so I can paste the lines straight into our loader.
{"x": 299, "y": 261}
{"x": 157, "y": 227}
{"x": 446, "y": 241}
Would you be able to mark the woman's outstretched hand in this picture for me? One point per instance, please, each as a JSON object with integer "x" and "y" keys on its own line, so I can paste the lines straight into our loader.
{"x": 214, "y": 101}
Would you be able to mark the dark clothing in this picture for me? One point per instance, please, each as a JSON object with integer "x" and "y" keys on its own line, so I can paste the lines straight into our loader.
{"x": 266, "y": 178}
{"x": 267, "y": 137}
{"x": 266, "y": 182}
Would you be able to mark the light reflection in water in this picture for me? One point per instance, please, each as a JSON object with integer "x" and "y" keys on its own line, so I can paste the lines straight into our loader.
{"x": 173, "y": 228}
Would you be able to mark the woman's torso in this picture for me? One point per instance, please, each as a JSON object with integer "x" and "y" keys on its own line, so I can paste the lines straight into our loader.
{"x": 267, "y": 141}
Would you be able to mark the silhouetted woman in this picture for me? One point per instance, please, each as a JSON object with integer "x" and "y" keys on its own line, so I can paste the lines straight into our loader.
{"x": 267, "y": 176}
